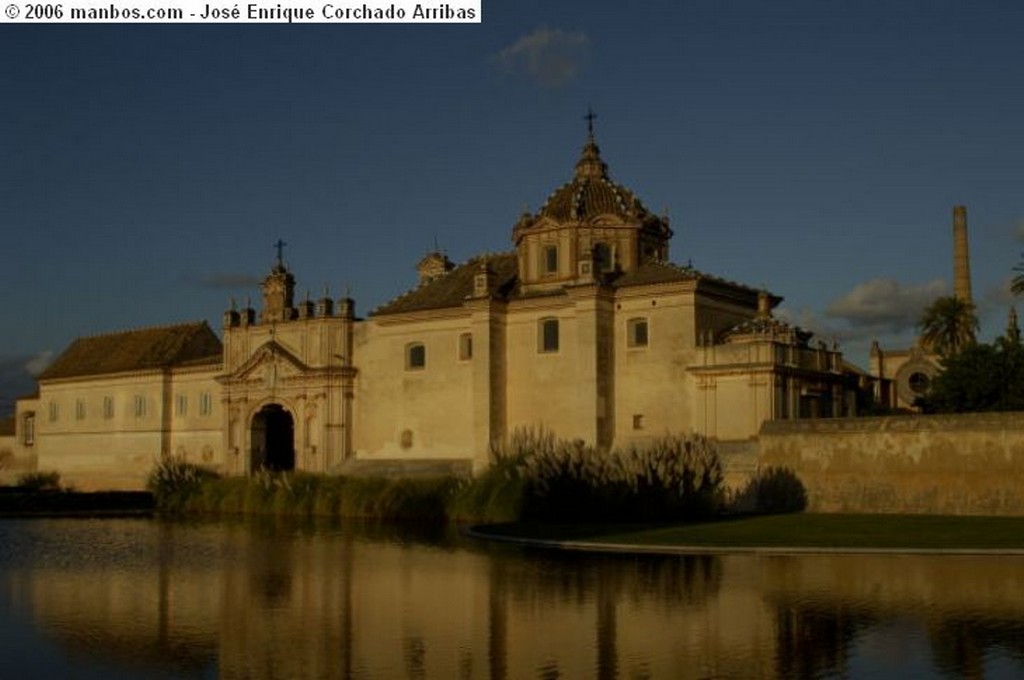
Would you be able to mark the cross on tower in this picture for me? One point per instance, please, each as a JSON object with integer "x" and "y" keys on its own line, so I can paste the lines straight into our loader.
{"x": 280, "y": 252}
{"x": 590, "y": 122}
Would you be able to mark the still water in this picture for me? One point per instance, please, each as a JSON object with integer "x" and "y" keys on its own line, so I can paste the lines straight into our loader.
{"x": 121, "y": 598}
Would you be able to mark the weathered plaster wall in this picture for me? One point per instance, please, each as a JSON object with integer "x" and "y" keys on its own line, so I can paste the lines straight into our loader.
{"x": 653, "y": 390}
{"x": 965, "y": 464}
{"x": 414, "y": 412}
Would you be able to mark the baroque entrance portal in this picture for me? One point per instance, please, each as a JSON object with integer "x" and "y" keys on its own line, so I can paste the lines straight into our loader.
{"x": 273, "y": 440}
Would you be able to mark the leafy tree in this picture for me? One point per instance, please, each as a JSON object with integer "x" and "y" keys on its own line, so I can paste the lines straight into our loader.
{"x": 980, "y": 378}
{"x": 948, "y": 325}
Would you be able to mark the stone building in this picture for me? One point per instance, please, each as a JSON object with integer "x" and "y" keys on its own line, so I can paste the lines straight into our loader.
{"x": 585, "y": 328}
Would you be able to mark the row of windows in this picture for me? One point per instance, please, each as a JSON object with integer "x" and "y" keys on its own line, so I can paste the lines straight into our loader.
{"x": 205, "y": 404}
{"x": 602, "y": 254}
{"x": 140, "y": 407}
{"x": 416, "y": 352}
{"x": 547, "y": 336}
{"x": 547, "y": 341}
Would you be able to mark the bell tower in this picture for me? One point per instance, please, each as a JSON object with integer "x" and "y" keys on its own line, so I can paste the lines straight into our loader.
{"x": 278, "y": 291}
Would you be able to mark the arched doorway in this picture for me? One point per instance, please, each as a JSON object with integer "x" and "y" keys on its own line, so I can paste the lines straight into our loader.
{"x": 273, "y": 439}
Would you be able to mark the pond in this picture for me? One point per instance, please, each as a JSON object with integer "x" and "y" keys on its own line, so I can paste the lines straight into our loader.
{"x": 122, "y": 598}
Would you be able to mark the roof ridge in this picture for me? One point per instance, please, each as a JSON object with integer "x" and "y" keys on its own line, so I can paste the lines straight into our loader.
{"x": 140, "y": 329}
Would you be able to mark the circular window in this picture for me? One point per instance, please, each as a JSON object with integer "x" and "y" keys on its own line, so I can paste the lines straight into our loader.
{"x": 919, "y": 382}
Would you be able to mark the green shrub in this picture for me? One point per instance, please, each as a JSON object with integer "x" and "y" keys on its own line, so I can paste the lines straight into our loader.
{"x": 773, "y": 490}
{"x": 39, "y": 481}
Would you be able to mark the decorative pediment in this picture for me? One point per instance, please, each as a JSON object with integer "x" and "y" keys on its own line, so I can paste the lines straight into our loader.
{"x": 269, "y": 363}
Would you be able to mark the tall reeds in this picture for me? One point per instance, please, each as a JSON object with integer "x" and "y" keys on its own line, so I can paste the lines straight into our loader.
{"x": 674, "y": 477}
{"x": 533, "y": 476}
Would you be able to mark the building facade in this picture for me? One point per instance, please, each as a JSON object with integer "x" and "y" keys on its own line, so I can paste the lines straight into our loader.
{"x": 586, "y": 328}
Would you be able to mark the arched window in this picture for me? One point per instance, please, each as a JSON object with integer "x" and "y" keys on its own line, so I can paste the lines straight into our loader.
{"x": 465, "y": 347}
{"x": 547, "y": 339}
{"x": 415, "y": 356}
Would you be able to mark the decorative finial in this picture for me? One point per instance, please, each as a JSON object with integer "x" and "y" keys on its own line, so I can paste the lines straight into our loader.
{"x": 327, "y": 290}
{"x": 348, "y": 290}
{"x": 234, "y": 306}
{"x": 590, "y": 123}
{"x": 764, "y": 305}
{"x": 590, "y": 165}
{"x": 280, "y": 252}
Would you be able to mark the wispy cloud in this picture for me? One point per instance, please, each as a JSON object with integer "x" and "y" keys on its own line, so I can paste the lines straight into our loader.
{"x": 550, "y": 57}
{"x": 885, "y": 306}
{"x": 228, "y": 281}
{"x": 39, "y": 362}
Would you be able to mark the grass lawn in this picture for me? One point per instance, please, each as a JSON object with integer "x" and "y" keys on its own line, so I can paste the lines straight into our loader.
{"x": 921, "y": 532}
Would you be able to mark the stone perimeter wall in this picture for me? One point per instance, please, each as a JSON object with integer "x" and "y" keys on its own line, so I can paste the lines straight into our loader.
{"x": 962, "y": 464}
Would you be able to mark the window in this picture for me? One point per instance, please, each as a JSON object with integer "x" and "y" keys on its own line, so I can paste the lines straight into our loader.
{"x": 919, "y": 382}
{"x": 415, "y": 356}
{"x": 79, "y": 409}
{"x": 602, "y": 258}
{"x": 465, "y": 346}
{"x": 548, "y": 335}
{"x": 28, "y": 429}
{"x": 636, "y": 333}
{"x": 140, "y": 406}
{"x": 549, "y": 262}
{"x": 638, "y": 421}
{"x": 205, "y": 404}
{"x": 54, "y": 412}
{"x": 181, "y": 405}
{"x": 108, "y": 407}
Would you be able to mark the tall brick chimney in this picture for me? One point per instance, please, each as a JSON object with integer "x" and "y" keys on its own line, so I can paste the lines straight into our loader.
{"x": 961, "y": 256}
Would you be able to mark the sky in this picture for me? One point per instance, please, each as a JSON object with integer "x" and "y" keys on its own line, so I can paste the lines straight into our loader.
{"x": 812, "y": 148}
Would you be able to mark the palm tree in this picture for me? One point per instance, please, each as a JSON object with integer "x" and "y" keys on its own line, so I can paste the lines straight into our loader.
{"x": 948, "y": 325}
{"x": 1017, "y": 283}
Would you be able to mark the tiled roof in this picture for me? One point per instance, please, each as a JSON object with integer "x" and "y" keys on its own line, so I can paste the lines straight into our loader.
{"x": 656, "y": 272}
{"x": 592, "y": 193}
{"x": 451, "y": 289}
{"x": 585, "y": 198}
{"x": 135, "y": 350}
{"x": 650, "y": 273}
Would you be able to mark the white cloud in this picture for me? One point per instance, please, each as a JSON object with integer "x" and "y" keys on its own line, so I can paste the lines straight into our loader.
{"x": 551, "y": 57}
{"x": 39, "y": 362}
{"x": 885, "y": 305}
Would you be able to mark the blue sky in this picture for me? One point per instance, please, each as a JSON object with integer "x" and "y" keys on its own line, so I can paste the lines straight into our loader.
{"x": 814, "y": 148}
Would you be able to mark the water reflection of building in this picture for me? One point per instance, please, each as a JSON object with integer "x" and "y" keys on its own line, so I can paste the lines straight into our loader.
{"x": 270, "y": 604}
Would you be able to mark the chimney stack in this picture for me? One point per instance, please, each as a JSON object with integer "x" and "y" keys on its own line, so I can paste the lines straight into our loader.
{"x": 961, "y": 257}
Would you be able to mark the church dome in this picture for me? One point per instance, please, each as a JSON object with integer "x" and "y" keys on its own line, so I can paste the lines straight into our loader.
{"x": 591, "y": 193}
